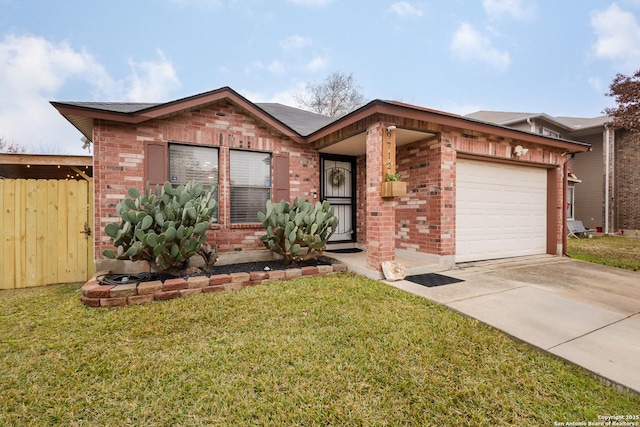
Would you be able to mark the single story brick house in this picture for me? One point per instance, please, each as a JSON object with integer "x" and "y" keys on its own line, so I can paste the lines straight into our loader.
{"x": 474, "y": 190}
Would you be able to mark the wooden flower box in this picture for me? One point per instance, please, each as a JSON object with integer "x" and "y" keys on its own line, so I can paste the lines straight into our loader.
{"x": 394, "y": 189}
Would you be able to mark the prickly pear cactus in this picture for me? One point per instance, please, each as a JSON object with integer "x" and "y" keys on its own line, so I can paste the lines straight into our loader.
{"x": 164, "y": 228}
{"x": 298, "y": 232}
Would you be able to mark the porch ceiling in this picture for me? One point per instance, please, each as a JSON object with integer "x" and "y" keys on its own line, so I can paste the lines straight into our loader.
{"x": 356, "y": 145}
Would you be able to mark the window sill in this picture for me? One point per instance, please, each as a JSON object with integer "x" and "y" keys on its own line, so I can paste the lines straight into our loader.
{"x": 246, "y": 225}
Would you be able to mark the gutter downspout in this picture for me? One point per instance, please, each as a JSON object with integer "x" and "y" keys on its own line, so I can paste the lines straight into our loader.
{"x": 532, "y": 124}
{"x": 565, "y": 183}
{"x": 606, "y": 182}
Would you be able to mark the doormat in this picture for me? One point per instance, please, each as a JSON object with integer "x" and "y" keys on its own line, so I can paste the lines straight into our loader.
{"x": 431, "y": 280}
{"x": 344, "y": 251}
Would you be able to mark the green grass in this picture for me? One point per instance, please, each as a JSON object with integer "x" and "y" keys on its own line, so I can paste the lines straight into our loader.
{"x": 335, "y": 350}
{"x": 616, "y": 251}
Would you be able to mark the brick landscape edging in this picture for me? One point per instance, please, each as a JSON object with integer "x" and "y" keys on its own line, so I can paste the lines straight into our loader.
{"x": 96, "y": 295}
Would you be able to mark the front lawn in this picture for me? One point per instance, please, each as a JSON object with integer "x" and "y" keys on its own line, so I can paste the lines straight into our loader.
{"x": 334, "y": 350}
{"x": 616, "y": 251}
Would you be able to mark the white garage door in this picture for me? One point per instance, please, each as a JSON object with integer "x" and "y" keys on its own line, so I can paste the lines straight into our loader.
{"x": 501, "y": 210}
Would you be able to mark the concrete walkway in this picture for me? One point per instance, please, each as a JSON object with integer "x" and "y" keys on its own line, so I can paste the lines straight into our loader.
{"x": 585, "y": 313}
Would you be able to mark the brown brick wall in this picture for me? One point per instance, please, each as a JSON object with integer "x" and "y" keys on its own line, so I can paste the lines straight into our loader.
{"x": 119, "y": 164}
{"x": 627, "y": 166}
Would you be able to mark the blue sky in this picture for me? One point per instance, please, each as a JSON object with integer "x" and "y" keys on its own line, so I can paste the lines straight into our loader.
{"x": 551, "y": 56}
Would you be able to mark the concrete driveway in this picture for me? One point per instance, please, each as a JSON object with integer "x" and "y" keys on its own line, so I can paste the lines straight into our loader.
{"x": 585, "y": 313}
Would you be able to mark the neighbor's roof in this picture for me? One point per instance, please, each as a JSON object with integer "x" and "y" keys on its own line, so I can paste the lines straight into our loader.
{"x": 509, "y": 118}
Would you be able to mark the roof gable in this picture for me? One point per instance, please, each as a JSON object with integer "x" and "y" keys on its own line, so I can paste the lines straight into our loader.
{"x": 82, "y": 114}
{"x": 302, "y": 121}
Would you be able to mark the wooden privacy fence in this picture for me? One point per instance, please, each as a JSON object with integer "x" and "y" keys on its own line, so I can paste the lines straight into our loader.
{"x": 45, "y": 232}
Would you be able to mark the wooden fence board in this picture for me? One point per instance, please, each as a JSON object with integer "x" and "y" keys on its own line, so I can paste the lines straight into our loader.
{"x": 21, "y": 233}
{"x": 2, "y": 267}
{"x": 30, "y": 233}
{"x": 61, "y": 252}
{"x": 52, "y": 224}
{"x": 83, "y": 218}
{"x": 72, "y": 233}
{"x": 41, "y": 233}
{"x": 7, "y": 279}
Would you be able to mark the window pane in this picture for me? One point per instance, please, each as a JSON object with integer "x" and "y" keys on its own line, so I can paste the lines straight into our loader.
{"x": 189, "y": 163}
{"x": 250, "y": 176}
{"x": 250, "y": 169}
{"x": 246, "y": 202}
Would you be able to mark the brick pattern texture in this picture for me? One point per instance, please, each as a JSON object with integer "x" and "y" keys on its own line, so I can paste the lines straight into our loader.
{"x": 96, "y": 295}
{"x": 627, "y": 185}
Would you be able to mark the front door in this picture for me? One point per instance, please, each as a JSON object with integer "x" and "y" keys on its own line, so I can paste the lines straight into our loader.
{"x": 338, "y": 186}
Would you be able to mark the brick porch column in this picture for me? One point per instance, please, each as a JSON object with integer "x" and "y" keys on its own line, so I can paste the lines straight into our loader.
{"x": 380, "y": 213}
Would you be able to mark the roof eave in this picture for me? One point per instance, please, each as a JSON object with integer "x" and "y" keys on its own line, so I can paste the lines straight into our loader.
{"x": 446, "y": 119}
{"x": 160, "y": 110}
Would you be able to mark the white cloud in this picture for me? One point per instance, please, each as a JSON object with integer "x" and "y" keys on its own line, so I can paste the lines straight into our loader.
{"x": 285, "y": 97}
{"x": 618, "y": 36}
{"x": 208, "y": 4}
{"x": 151, "y": 81}
{"x": 275, "y": 67}
{"x": 295, "y": 42}
{"x": 312, "y": 3}
{"x": 509, "y": 8}
{"x": 468, "y": 44}
{"x": 596, "y": 84}
{"x": 34, "y": 70}
{"x": 317, "y": 64}
{"x": 405, "y": 10}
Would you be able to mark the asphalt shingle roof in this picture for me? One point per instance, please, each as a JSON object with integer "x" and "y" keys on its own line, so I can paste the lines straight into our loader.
{"x": 115, "y": 107}
{"x": 302, "y": 121}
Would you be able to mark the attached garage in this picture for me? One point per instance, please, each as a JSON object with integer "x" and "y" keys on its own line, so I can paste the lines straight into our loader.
{"x": 501, "y": 210}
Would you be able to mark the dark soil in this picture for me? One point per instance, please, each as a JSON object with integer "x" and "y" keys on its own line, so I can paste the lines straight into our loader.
{"x": 245, "y": 267}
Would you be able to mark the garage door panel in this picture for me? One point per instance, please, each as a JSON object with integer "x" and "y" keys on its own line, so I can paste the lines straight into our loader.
{"x": 500, "y": 210}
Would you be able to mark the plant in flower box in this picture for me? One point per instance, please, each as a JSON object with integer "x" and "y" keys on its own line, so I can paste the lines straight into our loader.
{"x": 393, "y": 187}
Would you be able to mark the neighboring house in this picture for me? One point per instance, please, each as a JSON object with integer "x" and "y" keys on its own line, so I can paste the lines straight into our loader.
{"x": 608, "y": 196}
{"x": 474, "y": 190}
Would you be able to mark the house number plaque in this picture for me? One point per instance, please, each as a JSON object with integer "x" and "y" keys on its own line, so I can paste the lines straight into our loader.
{"x": 388, "y": 153}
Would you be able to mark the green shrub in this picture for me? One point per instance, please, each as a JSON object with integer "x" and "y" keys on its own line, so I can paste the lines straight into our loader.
{"x": 164, "y": 228}
{"x": 298, "y": 232}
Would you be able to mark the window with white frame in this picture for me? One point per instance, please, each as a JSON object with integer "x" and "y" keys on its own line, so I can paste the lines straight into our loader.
{"x": 250, "y": 184}
{"x": 194, "y": 163}
{"x": 548, "y": 132}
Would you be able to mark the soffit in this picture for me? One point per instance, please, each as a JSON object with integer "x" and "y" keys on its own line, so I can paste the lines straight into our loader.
{"x": 356, "y": 145}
